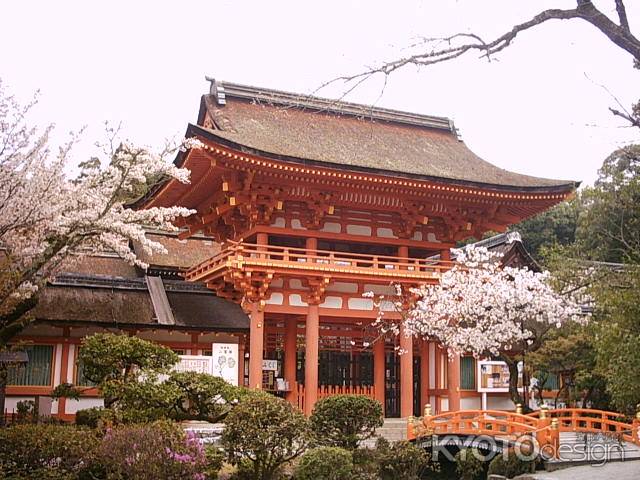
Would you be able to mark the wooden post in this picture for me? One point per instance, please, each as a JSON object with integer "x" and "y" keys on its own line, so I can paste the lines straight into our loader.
{"x": 453, "y": 383}
{"x": 379, "y": 371}
{"x": 256, "y": 346}
{"x": 64, "y": 374}
{"x": 406, "y": 374}
{"x": 241, "y": 347}
{"x": 424, "y": 373}
{"x": 290, "y": 345}
{"x": 312, "y": 337}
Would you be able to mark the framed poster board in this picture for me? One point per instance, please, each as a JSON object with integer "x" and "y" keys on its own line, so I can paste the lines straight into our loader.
{"x": 493, "y": 376}
{"x": 225, "y": 361}
{"x": 194, "y": 363}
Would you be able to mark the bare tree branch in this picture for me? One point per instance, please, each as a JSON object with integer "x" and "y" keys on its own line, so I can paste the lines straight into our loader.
{"x": 439, "y": 50}
{"x": 622, "y": 15}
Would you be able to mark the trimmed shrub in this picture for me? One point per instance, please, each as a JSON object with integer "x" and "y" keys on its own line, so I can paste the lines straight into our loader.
{"x": 345, "y": 420}
{"x": 325, "y": 463}
{"x": 469, "y": 465}
{"x": 262, "y": 434}
{"x": 45, "y": 451}
{"x": 149, "y": 452}
{"x": 400, "y": 460}
{"x": 509, "y": 465}
{"x": 94, "y": 417}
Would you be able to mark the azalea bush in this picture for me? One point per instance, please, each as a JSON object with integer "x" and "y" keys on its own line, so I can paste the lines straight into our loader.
{"x": 46, "y": 451}
{"x": 153, "y": 451}
{"x": 345, "y": 420}
{"x": 262, "y": 435}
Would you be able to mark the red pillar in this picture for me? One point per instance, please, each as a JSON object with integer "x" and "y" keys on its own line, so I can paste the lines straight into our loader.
{"x": 312, "y": 338}
{"x": 406, "y": 359}
{"x": 453, "y": 383}
{"x": 290, "y": 344}
{"x": 406, "y": 374}
{"x": 256, "y": 346}
{"x": 424, "y": 373}
{"x": 379, "y": 370}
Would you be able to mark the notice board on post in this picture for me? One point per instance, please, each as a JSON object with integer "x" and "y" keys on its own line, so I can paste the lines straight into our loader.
{"x": 493, "y": 376}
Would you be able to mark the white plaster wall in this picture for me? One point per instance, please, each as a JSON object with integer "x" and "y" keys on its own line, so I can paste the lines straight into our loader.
{"x": 296, "y": 224}
{"x": 277, "y": 283}
{"x": 332, "y": 227}
{"x": 431, "y": 237}
{"x": 73, "y": 406}
{"x": 276, "y": 298}
{"x": 279, "y": 222}
{"x": 360, "y": 304}
{"x": 295, "y": 300}
{"x": 379, "y": 289}
{"x": 332, "y": 302}
{"x": 11, "y": 403}
{"x": 296, "y": 284}
{"x": 343, "y": 287}
{"x": 57, "y": 364}
{"x": 385, "y": 232}
{"x": 359, "y": 230}
{"x": 417, "y": 236}
{"x": 71, "y": 364}
{"x": 470, "y": 403}
{"x": 499, "y": 403}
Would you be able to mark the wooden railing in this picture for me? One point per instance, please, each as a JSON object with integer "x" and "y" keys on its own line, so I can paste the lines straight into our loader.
{"x": 303, "y": 261}
{"x": 330, "y": 390}
{"x": 544, "y": 425}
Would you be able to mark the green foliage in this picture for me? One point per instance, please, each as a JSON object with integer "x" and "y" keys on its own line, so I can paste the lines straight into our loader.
{"x": 203, "y": 396}
{"x": 262, "y": 434}
{"x": 94, "y": 417}
{"x": 325, "y": 463}
{"x": 26, "y": 411}
{"x": 345, "y": 420}
{"x": 556, "y": 226}
{"x": 121, "y": 358}
{"x": 400, "y": 460}
{"x": 470, "y": 464}
{"x": 570, "y": 353}
{"x": 618, "y": 337}
{"x": 66, "y": 390}
{"x": 609, "y": 226}
{"x": 509, "y": 465}
{"x": 45, "y": 451}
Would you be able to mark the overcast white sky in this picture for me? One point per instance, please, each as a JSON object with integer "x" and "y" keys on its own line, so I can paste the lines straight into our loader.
{"x": 538, "y": 110}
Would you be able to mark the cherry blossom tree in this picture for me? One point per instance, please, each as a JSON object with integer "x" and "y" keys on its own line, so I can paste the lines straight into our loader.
{"x": 483, "y": 308}
{"x": 47, "y": 218}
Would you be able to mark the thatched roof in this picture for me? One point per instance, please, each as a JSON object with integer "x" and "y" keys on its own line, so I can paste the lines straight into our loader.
{"x": 351, "y": 136}
{"x": 181, "y": 254}
{"x": 110, "y": 301}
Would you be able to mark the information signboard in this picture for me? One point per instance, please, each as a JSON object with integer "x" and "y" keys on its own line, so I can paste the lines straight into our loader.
{"x": 493, "y": 376}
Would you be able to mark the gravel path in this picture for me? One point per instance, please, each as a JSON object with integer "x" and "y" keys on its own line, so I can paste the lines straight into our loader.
{"x": 617, "y": 470}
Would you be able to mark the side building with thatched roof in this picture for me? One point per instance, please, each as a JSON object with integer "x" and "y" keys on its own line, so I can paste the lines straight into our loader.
{"x": 102, "y": 293}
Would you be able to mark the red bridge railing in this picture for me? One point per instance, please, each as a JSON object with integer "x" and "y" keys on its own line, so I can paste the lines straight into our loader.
{"x": 544, "y": 425}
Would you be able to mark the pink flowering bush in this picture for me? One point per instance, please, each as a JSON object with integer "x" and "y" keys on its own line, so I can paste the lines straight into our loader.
{"x": 153, "y": 451}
